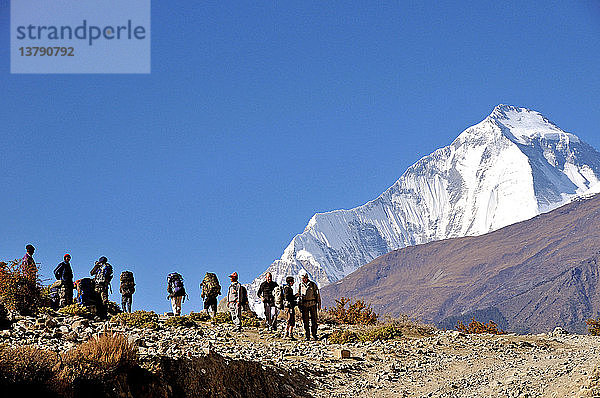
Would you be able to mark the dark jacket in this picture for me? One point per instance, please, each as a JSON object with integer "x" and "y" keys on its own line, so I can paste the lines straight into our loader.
{"x": 64, "y": 272}
{"x": 265, "y": 291}
{"x": 289, "y": 298}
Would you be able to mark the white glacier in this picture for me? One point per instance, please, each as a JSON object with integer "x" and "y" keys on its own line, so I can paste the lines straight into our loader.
{"x": 512, "y": 166}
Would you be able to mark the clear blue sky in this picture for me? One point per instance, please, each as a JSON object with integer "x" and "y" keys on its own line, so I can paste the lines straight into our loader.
{"x": 257, "y": 115}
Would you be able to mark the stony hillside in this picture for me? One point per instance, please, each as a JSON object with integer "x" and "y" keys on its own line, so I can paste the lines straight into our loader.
{"x": 214, "y": 360}
{"x": 528, "y": 277}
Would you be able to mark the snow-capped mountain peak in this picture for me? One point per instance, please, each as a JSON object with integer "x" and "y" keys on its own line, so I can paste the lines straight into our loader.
{"x": 510, "y": 167}
{"x": 526, "y": 125}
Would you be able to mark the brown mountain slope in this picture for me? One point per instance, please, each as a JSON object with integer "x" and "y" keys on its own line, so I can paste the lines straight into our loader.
{"x": 530, "y": 277}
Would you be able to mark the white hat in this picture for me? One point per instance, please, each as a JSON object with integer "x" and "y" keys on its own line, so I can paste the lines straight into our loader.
{"x": 302, "y": 273}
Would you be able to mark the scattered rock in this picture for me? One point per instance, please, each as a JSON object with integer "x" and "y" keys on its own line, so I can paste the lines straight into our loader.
{"x": 342, "y": 353}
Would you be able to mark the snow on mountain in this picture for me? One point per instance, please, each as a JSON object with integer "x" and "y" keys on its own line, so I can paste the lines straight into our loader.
{"x": 510, "y": 167}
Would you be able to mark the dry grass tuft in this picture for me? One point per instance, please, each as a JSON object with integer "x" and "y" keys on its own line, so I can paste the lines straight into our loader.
{"x": 100, "y": 356}
{"x": 27, "y": 365}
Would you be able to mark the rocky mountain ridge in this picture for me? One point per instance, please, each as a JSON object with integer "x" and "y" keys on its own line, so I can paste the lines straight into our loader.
{"x": 526, "y": 277}
{"x": 510, "y": 167}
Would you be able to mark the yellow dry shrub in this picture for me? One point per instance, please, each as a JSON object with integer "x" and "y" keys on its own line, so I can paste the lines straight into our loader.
{"x": 20, "y": 288}
{"x": 100, "y": 356}
{"x": 357, "y": 313}
{"x": 476, "y": 327}
{"x": 593, "y": 326}
{"x": 27, "y": 365}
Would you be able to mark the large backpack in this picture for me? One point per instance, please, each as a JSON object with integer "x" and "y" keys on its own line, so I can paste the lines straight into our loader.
{"x": 210, "y": 286}
{"x": 127, "y": 283}
{"x": 58, "y": 272}
{"x": 243, "y": 296}
{"x": 278, "y": 295}
{"x": 86, "y": 295}
{"x": 104, "y": 274}
{"x": 175, "y": 285}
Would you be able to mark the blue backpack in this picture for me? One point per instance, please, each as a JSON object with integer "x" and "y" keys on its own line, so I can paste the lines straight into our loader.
{"x": 175, "y": 285}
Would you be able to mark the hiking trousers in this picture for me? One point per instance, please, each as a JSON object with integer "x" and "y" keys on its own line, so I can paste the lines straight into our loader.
{"x": 309, "y": 313}
{"x": 126, "y": 303}
{"x": 210, "y": 305}
{"x": 236, "y": 314}
{"x": 176, "y": 304}
{"x": 102, "y": 290}
{"x": 271, "y": 313}
{"x": 65, "y": 294}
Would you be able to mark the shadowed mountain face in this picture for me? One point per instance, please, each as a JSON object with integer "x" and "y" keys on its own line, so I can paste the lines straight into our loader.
{"x": 528, "y": 277}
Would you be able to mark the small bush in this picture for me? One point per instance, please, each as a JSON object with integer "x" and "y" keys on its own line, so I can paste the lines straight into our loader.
{"x": 199, "y": 316}
{"x": 79, "y": 310}
{"x": 20, "y": 288}
{"x": 138, "y": 319}
{"x": 46, "y": 310}
{"x": 250, "y": 319}
{"x": 27, "y": 365}
{"x": 180, "y": 321}
{"x": 387, "y": 332}
{"x": 476, "y": 327}
{"x": 593, "y": 326}
{"x": 100, "y": 357}
{"x": 342, "y": 337}
{"x": 410, "y": 327}
{"x": 222, "y": 317}
{"x": 357, "y": 313}
{"x": 113, "y": 308}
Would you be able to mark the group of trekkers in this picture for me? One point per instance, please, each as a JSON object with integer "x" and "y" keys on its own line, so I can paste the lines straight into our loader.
{"x": 275, "y": 298}
{"x": 93, "y": 291}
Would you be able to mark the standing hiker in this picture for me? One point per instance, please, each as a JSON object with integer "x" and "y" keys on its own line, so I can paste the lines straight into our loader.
{"x": 176, "y": 292}
{"x": 309, "y": 303}
{"x": 289, "y": 304}
{"x": 236, "y": 297}
{"x": 211, "y": 289}
{"x": 64, "y": 273}
{"x": 265, "y": 292}
{"x": 28, "y": 263}
{"x": 126, "y": 289}
{"x": 102, "y": 273}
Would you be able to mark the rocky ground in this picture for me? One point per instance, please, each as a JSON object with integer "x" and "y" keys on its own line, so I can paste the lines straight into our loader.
{"x": 442, "y": 364}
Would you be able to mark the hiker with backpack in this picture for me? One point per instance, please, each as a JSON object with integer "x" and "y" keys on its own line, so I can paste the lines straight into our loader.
{"x": 64, "y": 281}
{"x": 237, "y": 298}
{"x": 289, "y": 304}
{"x": 102, "y": 273}
{"x": 266, "y": 293}
{"x": 309, "y": 301}
{"x": 211, "y": 289}
{"x": 126, "y": 289}
{"x": 176, "y": 292}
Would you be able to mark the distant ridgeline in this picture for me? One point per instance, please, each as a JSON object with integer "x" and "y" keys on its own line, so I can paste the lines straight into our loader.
{"x": 529, "y": 277}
